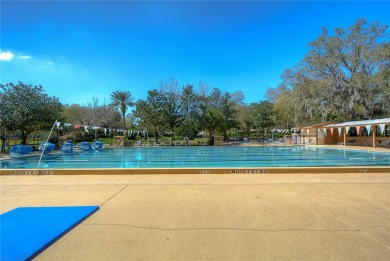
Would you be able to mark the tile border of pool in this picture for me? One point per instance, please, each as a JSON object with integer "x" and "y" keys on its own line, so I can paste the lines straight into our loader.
{"x": 201, "y": 171}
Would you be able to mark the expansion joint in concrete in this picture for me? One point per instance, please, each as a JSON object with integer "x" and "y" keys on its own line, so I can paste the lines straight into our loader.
{"x": 223, "y": 228}
{"x": 113, "y": 195}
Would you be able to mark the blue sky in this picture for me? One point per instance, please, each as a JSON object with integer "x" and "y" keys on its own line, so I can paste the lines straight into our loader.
{"x": 80, "y": 49}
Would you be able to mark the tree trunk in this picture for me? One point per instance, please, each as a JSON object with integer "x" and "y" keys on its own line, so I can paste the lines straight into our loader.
{"x": 124, "y": 122}
{"x": 3, "y": 141}
{"x": 24, "y": 138}
{"x": 156, "y": 135}
{"x": 172, "y": 131}
{"x": 211, "y": 138}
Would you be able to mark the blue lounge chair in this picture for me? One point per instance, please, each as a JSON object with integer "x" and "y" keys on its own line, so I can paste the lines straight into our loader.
{"x": 67, "y": 147}
{"x": 46, "y": 147}
{"x": 20, "y": 151}
{"x": 85, "y": 146}
{"x": 98, "y": 145}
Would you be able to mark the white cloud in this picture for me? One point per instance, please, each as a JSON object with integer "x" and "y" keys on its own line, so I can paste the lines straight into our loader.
{"x": 49, "y": 62}
{"x": 6, "y": 56}
{"x": 24, "y": 57}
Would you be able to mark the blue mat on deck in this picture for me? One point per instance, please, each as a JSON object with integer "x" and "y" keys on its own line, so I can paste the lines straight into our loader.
{"x": 27, "y": 231}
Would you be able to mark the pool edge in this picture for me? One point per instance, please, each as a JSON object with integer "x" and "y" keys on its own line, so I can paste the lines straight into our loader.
{"x": 201, "y": 171}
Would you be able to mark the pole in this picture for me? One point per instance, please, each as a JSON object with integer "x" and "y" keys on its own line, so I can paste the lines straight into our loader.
{"x": 345, "y": 136}
{"x": 47, "y": 140}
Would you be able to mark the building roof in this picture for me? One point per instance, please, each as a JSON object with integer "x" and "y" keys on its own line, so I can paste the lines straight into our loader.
{"x": 385, "y": 121}
{"x": 317, "y": 125}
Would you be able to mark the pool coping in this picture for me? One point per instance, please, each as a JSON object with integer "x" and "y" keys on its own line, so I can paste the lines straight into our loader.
{"x": 201, "y": 171}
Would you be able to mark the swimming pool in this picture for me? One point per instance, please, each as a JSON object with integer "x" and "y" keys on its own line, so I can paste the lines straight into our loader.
{"x": 204, "y": 157}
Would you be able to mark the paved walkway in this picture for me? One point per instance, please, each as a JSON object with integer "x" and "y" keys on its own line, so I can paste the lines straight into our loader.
{"x": 215, "y": 217}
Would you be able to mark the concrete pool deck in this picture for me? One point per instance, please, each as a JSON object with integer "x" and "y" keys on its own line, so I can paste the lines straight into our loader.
{"x": 215, "y": 217}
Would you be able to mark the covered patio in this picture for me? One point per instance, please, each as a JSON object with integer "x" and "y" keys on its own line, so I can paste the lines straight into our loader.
{"x": 371, "y": 133}
{"x": 312, "y": 134}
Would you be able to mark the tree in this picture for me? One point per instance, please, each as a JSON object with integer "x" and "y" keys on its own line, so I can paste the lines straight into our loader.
{"x": 27, "y": 108}
{"x": 344, "y": 76}
{"x": 284, "y": 109}
{"x": 2, "y": 127}
{"x": 238, "y": 97}
{"x": 229, "y": 111}
{"x": 348, "y": 68}
{"x": 171, "y": 113}
{"x": 203, "y": 88}
{"x": 149, "y": 113}
{"x": 93, "y": 114}
{"x": 244, "y": 118}
{"x": 284, "y": 115}
{"x": 190, "y": 110}
{"x": 218, "y": 112}
{"x": 262, "y": 116}
{"x": 101, "y": 115}
{"x": 122, "y": 100}
{"x": 75, "y": 114}
{"x": 211, "y": 120}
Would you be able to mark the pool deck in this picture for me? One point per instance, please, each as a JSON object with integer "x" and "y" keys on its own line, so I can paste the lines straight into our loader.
{"x": 343, "y": 214}
{"x": 215, "y": 217}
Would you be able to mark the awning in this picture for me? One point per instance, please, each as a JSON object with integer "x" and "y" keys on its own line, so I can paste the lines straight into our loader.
{"x": 313, "y": 126}
{"x": 377, "y": 122}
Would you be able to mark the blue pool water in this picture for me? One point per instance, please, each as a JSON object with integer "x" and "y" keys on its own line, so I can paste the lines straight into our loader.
{"x": 199, "y": 157}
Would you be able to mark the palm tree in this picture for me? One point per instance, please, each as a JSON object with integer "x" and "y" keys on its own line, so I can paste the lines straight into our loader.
{"x": 121, "y": 100}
